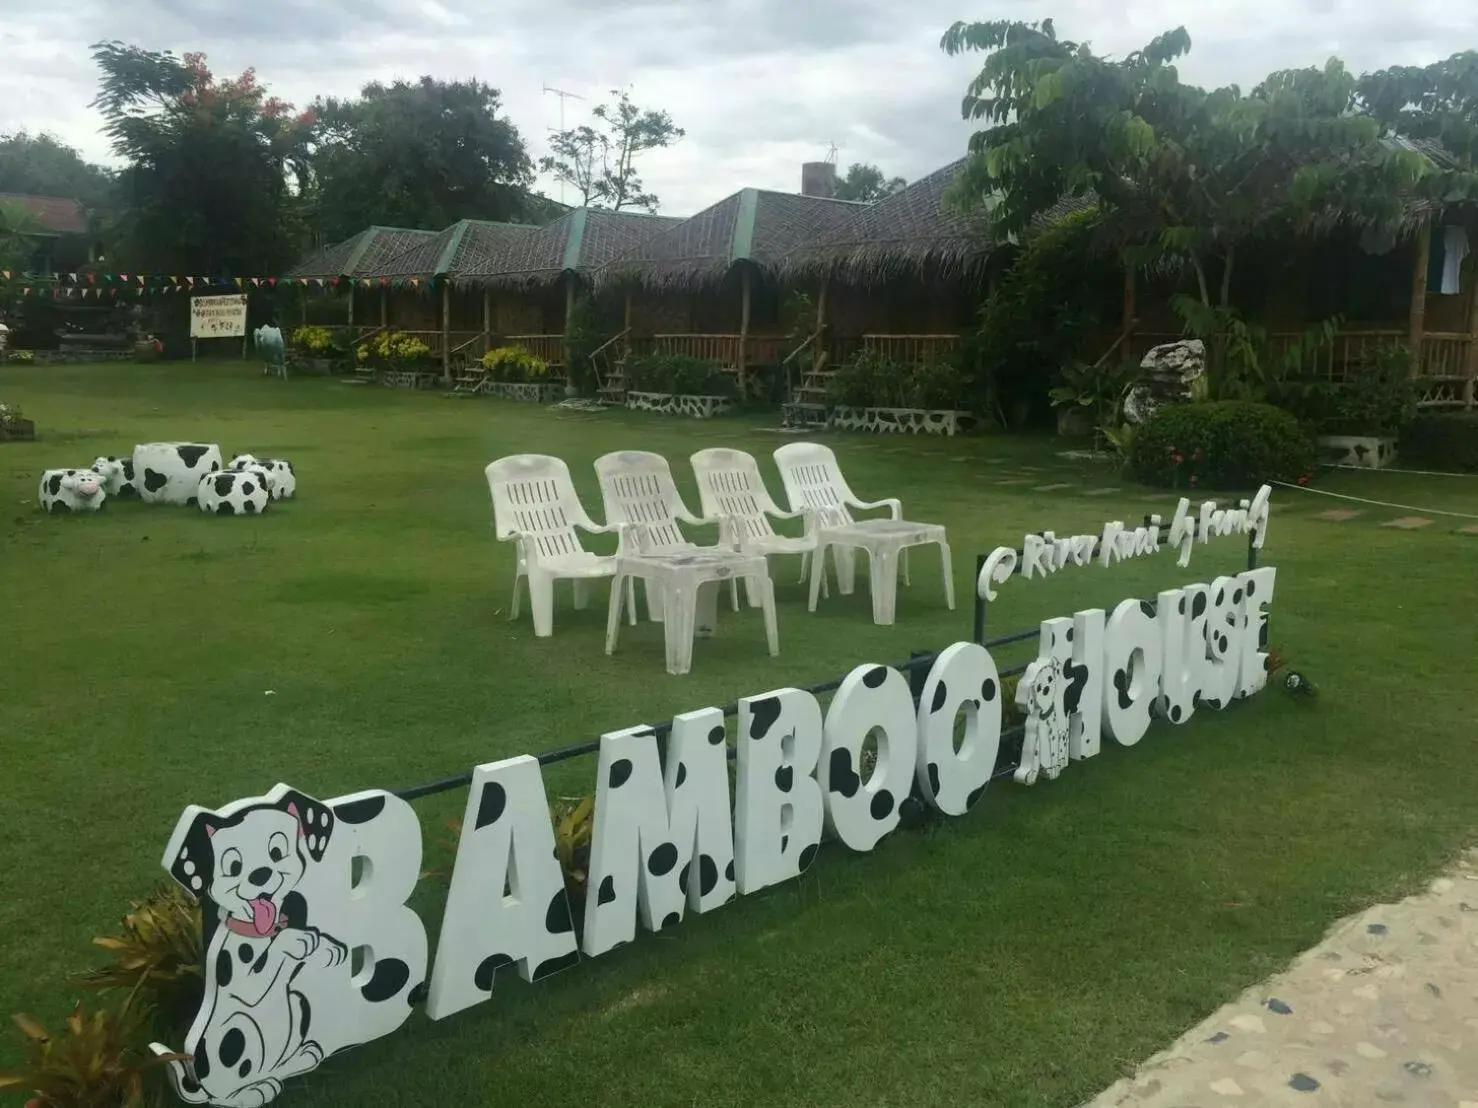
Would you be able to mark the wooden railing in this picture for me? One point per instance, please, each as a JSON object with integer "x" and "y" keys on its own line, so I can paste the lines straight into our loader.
{"x": 758, "y": 349}
{"x": 912, "y": 349}
{"x": 550, "y": 348}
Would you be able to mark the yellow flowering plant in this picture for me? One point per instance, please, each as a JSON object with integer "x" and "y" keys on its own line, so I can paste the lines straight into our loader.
{"x": 391, "y": 348}
{"x": 22, "y": 356}
{"x": 317, "y": 341}
{"x": 515, "y": 363}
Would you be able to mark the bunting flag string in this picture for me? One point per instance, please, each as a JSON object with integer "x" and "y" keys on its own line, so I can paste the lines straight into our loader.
{"x": 65, "y": 285}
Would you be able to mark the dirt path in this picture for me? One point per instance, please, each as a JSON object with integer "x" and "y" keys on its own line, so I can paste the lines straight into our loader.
{"x": 1383, "y": 1011}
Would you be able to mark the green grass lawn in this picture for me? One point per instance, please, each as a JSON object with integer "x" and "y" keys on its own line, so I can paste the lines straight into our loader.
{"x": 1023, "y": 955}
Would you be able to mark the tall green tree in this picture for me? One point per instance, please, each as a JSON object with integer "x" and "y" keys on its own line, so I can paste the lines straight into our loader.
{"x": 422, "y": 153}
{"x": 214, "y": 166}
{"x": 598, "y": 159}
{"x": 1437, "y": 102}
{"x": 41, "y": 165}
{"x": 16, "y": 243}
{"x": 1180, "y": 173}
{"x": 867, "y": 183}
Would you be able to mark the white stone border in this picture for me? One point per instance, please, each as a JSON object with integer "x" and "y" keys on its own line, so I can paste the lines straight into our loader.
{"x": 908, "y": 421}
{"x": 696, "y": 407}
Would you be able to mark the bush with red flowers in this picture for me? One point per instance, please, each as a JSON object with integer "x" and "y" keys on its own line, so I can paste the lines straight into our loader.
{"x": 1223, "y": 444}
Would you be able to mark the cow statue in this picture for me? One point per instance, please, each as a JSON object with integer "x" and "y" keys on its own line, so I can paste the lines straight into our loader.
{"x": 117, "y": 475}
{"x": 239, "y": 493}
{"x": 170, "y": 472}
{"x": 71, "y": 490}
{"x": 282, "y": 479}
{"x": 268, "y": 339}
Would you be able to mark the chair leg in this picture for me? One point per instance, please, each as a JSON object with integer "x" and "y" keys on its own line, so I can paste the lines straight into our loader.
{"x": 805, "y": 565}
{"x": 679, "y": 609}
{"x": 613, "y": 613}
{"x": 734, "y": 593}
{"x": 582, "y": 594}
{"x": 516, "y": 605}
{"x": 818, "y": 572}
{"x": 631, "y": 600}
{"x": 541, "y": 600}
{"x": 903, "y": 564}
{"x": 772, "y": 631}
{"x": 947, "y": 566}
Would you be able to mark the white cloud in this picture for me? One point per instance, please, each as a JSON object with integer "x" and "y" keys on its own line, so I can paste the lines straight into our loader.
{"x": 759, "y": 85}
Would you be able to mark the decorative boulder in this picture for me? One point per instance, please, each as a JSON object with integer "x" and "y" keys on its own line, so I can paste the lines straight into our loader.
{"x": 71, "y": 490}
{"x": 282, "y": 479}
{"x": 1171, "y": 373}
{"x": 170, "y": 472}
{"x": 117, "y": 475}
{"x": 233, "y": 493}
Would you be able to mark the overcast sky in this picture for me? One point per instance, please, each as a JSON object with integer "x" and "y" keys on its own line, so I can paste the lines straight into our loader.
{"x": 760, "y": 85}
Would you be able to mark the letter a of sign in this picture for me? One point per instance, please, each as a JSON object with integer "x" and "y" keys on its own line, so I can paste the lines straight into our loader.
{"x": 507, "y": 900}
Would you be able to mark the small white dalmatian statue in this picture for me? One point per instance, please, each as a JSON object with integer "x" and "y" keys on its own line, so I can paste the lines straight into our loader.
{"x": 1044, "y": 747}
{"x": 71, "y": 490}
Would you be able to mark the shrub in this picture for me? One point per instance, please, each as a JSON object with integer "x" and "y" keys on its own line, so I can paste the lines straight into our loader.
{"x": 22, "y": 356}
{"x": 680, "y": 375}
{"x": 158, "y": 954}
{"x": 1225, "y": 444}
{"x": 1442, "y": 441}
{"x": 10, "y": 413}
{"x": 392, "y": 348}
{"x": 317, "y": 341}
{"x": 1377, "y": 397}
{"x": 869, "y": 379}
{"x": 96, "y": 1064}
{"x": 513, "y": 364}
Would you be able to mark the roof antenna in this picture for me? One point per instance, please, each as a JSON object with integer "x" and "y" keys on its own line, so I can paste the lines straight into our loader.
{"x": 563, "y": 96}
{"x": 831, "y": 152}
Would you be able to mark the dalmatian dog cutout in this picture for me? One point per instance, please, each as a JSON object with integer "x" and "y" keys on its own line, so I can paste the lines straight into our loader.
{"x": 1040, "y": 695}
{"x": 249, "y": 865}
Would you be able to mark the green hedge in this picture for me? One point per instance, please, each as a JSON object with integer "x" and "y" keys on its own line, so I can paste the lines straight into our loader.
{"x": 1224, "y": 444}
{"x": 1441, "y": 441}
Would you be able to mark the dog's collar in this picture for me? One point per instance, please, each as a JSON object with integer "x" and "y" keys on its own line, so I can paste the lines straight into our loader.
{"x": 247, "y": 931}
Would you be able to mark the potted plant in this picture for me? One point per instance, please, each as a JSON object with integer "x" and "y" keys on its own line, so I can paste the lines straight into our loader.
{"x": 678, "y": 384}
{"x": 1360, "y": 418}
{"x": 402, "y": 359}
{"x": 315, "y": 346}
{"x": 519, "y": 374}
{"x": 872, "y": 392}
{"x": 14, "y": 427}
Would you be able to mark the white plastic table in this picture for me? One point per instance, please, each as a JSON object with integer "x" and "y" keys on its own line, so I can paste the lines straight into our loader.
{"x": 884, "y": 540}
{"x": 689, "y": 584}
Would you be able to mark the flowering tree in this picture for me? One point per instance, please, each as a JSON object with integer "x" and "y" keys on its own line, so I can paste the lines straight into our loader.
{"x": 214, "y": 165}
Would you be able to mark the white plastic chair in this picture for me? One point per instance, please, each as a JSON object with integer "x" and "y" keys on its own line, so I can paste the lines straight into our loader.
{"x": 536, "y": 507}
{"x": 731, "y": 490}
{"x": 638, "y": 492}
{"x": 814, "y": 483}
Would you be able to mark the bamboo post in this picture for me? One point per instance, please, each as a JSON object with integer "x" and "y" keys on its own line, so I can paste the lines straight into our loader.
{"x": 1126, "y": 323}
{"x": 819, "y": 350}
{"x": 351, "y": 304}
{"x": 569, "y": 311}
{"x": 1418, "y": 315}
{"x": 384, "y": 306}
{"x": 1472, "y": 367}
{"x": 446, "y": 327}
{"x": 487, "y": 318}
{"x": 744, "y": 297}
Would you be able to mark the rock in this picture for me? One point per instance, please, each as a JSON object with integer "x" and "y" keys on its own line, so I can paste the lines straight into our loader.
{"x": 1171, "y": 373}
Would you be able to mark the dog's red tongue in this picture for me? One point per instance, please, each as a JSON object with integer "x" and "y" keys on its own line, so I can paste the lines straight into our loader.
{"x": 263, "y": 914}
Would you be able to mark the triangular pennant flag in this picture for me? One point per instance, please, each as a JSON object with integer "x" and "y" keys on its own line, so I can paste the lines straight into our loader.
{"x": 415, "y": 281}
{"x": 5, "y": 273}
{"x": 256, "y": 282}
{"x": 190, "y": 281}
{"x": 72, "y": 277}
{"x": 26, "y": 291}
{"x": 141, "y": 278}
{"x": 92, "y": 278}
{"x": 123, "y": 276}
{"x": 272, "y": 282}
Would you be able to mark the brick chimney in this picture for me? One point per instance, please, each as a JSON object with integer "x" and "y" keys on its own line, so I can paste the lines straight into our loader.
{"x": 819, "y": 179}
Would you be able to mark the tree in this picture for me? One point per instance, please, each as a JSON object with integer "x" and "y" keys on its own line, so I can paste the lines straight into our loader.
{"x": 1437, "y": 102}
{"x": 1180, "y": 174}
{"x": 16, "y": 243}
{"x": 599, "y": 160}
{"x": 40, "y": 165}
{"x": 418, "y": 154}
{"x": 867, "y": 183}
{"x": 214, "y": 168}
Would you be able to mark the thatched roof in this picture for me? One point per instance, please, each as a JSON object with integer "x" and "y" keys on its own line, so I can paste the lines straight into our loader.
{"x": 582, "y": 242}
{"x": 361, "y": 255}
{"x": 903, "y": 234}
{"x": 468, "y": 242}
{"x": 753, "y": 225}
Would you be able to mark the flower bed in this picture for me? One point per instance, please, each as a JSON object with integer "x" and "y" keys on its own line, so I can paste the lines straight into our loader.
{"x": 665, "y": 403}
{"x": 905, "y": 421}
{"x": 534, "y": 392}
{"x": 15, "y": 427}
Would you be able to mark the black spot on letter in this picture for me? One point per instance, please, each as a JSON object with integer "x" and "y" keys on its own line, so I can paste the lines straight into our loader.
{"x": 486, "y": 969}
{"x": 882, "y": 804}
{"x": 784, "y": 778}
{"x": 620, "y": 772}
{"x": 762, "y": 716}
{"x": 707, "y": 874}
{"x": 941, "y": 693}
{"x": 716, "y": 736}
{"x": 682, "y": 774}
{"x": 607, "y": 891}
{"x": 491, "y": 804}
{"x": 662, "y": 860}
{"x": 988, "y": 690}
{"x": 844, "y": 780}
{"x": 807, "y": 857}
{"x": 934, "y": 778}
{"x": 361, "y": 811}
{"x": 875, "y": 677}
{"x": 557, "y": 916}
{"x": 390, "y": 976}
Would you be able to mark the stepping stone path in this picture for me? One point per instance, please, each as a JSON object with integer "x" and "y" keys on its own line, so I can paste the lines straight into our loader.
{"x": 1408, "y": 523}
{"x": 1339, "y": 515}
{"x": 1051, "y": 488}
{"x": 1101, "y": 492}
{"x": 1470, "y": 529}
{"x": 1384, "y": 1010}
